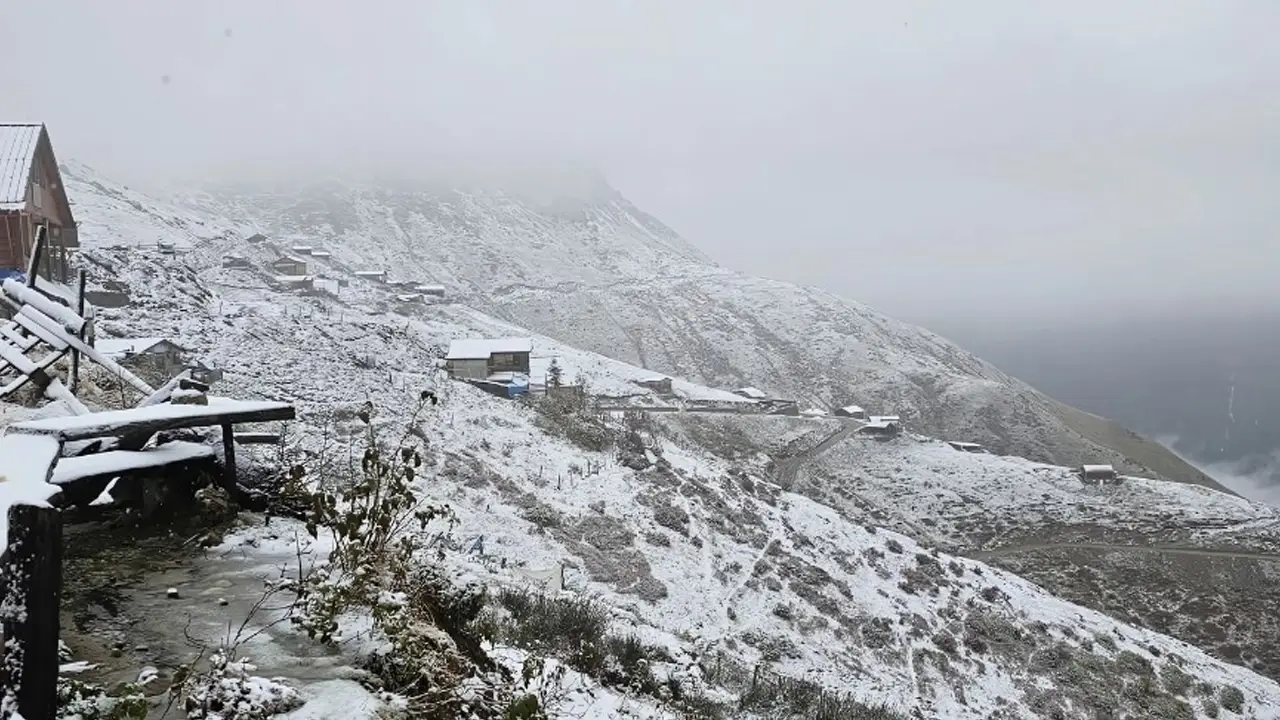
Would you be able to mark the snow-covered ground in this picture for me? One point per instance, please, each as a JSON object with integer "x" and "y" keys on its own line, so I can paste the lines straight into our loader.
{"x": 973, "y": 500}
{"x": 697, "y": 553}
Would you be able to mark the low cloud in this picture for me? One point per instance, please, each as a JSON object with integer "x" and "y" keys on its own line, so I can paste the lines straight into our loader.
{"x": 1254, "y": 480}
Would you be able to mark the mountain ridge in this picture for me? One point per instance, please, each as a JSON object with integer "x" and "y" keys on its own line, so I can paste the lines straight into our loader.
{"x": 610, "y": 278}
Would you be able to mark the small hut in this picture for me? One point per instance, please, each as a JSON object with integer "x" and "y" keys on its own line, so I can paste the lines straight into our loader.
{"x": 1098, "y": 474}
{"x": 851, "y": 411}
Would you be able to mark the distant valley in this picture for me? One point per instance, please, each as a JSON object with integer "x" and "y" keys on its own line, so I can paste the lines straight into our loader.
{"x": 1206, "y": 383}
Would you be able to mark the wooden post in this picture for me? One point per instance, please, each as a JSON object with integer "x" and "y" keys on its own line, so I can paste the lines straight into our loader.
{"x": 229, "y": 459}
{"x": 37, "y": 250}
{"x": 32, "y": 578}
{"x": 75, "y": 354}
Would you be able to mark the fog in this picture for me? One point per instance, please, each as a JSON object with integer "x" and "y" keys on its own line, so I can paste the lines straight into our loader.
{"x": 944, "y": 161}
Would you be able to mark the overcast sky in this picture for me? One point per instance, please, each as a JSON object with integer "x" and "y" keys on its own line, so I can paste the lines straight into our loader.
{"x": 979, "y": 158}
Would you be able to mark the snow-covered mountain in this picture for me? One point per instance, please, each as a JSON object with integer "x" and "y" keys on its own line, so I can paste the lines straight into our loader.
{"x": 764, "y": 541}
{"x": 586, "y": 266}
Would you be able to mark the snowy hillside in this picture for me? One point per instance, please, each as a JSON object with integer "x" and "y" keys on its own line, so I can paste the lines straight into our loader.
{"x": 694, "y": 542}
{"x": 599, "y": 274}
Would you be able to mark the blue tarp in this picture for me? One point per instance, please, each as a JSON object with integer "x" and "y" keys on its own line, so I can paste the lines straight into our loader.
{"x": 19, "y": 275}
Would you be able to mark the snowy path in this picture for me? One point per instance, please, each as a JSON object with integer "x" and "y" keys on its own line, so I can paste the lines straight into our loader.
{"x": 789, "y": 468}
{"x": 1204, "y": 552}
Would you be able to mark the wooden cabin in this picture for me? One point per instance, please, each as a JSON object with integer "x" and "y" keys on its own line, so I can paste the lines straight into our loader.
{"x": 478, "y": 359}
{"x": 851, "y": 411}
{"x": 289, "y": 266}
{"x": 1098, "y": 474}
{"x": 32, "y": 194}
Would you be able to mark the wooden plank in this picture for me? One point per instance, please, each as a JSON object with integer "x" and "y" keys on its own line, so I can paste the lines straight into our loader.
{"x": 42, "y": 378}
{"x": 32, "y": 579}
{"x": 17, "y": 359}
{"x": 150, "y": 420}
{"x": 75, "y": 354}
{"x": 85, "y": 349}
{"x": 39, "y": 331}
{"x": 57, "y": 391}
{"x": 23, "y": 342}
{"x": 229, "y": 459}
{"x": 181, "y": 381}
{"x": 258, "y": 438}
{"x": 117, "y": 462}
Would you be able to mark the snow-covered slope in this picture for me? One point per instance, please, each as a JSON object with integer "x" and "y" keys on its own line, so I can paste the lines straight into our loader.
{"x": 701, "y": 550}
{"x": 596, "y": 272}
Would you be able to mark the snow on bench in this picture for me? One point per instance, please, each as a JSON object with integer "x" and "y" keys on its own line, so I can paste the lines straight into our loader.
{"x": 154, "y": 418}
{"x": 116, "y": 462}
{"x": 26, "y": 463}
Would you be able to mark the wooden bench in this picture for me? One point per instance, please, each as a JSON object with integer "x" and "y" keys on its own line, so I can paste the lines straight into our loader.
{"x": 135, "y": 426}
{"x": 117, "y": 462}
{"x": 35, "y": 480}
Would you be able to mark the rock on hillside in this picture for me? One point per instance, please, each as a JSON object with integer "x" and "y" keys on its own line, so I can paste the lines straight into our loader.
{"x": 591, "y": 269}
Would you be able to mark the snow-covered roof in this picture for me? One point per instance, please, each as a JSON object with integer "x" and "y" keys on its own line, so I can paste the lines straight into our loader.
{"x": 1097, "y": 469}
{"x": 428, "y": 287}
{"x": 119, "y": 347}
{"x": 294, "y": 279}
{"x": 751, "y": 392}
{"x": 852, "y": 409}
{"x": 371, "y": 273}
{"x": 17, "y": 154}
{"x": 288, "y": 259}
{"x": 886, "y": 418}
{"x": 321, "y": 253}
{"x": 481, "y": 349}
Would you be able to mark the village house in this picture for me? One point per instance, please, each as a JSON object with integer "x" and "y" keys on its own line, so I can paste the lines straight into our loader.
{"x": 154, "y": 358}
{"x": 752, "y": 393}
{"x": 256, "y": 238}
{"x": 429, "y": 289}
{"x": 969, "y": 447}
{"x": 851, "y": 411}
{"x": 479, "y": 359}
{"x": 301, "y": 249}
{"x": 885, "y": 427}
{"x": 31, "y": 195}
{"x": 296, "y": 282}
{"x": 289, "y": 266}
{"x": 777, "y": 406}
{"x": 1098, "y": 474}
{"x": 235, "y": 261}
{"x": 322, "y": 254}
{"x": 375, "y": 275}
{"x": 661, "y": 385}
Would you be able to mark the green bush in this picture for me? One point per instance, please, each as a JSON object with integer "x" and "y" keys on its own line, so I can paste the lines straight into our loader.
{"x": 1231, "y": 698}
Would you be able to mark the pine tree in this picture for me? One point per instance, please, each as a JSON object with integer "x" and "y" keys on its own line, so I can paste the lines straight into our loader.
{"x": 555, "y": 374}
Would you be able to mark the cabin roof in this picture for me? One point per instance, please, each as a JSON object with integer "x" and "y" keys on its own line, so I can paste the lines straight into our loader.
{"x": 752, "y": 392}
{"x": 18, "y": 144}
{"x": 1092, "y": 469}
{"x": 112, "y": 347}
{"x": 481, "y": 349}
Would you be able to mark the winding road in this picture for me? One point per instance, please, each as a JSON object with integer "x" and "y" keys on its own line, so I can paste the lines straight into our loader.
{"x": 788, "y": 468}
{"x": 1170, "y": 549}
